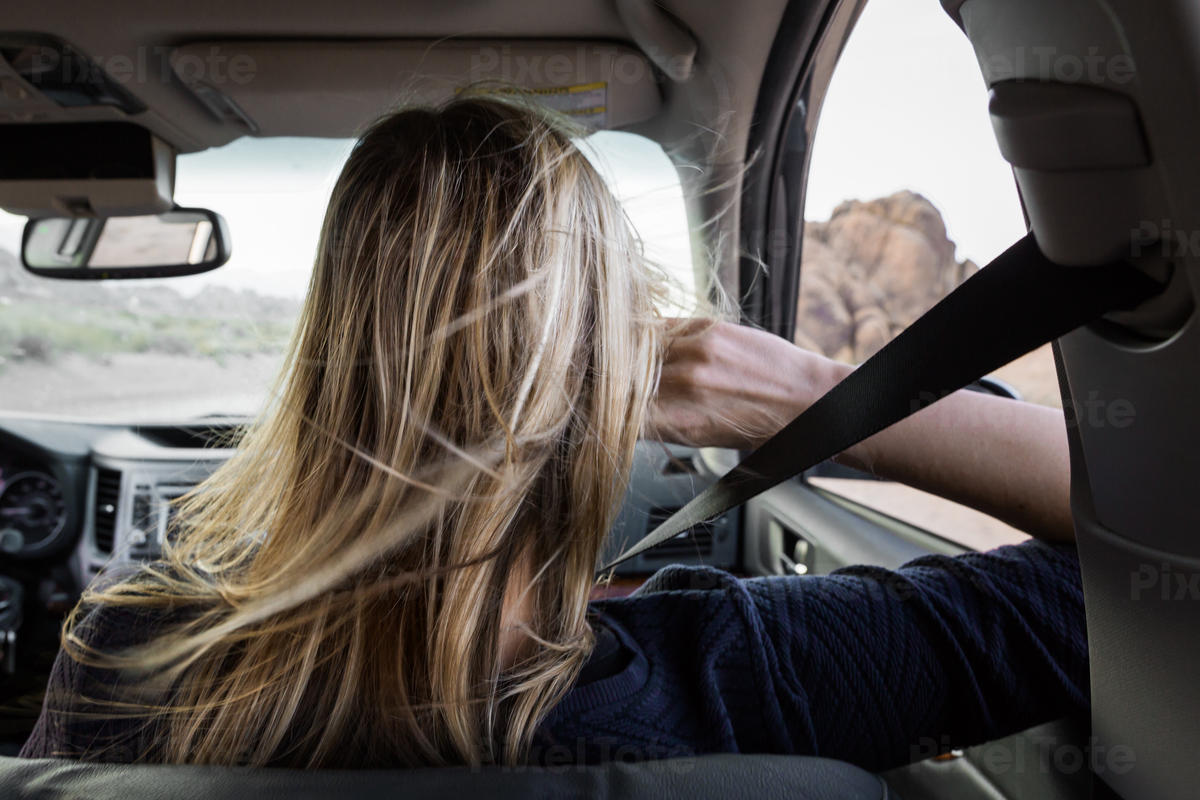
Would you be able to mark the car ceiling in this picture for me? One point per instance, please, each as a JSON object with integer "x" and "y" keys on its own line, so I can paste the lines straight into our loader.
{"x": 732, "y": 44}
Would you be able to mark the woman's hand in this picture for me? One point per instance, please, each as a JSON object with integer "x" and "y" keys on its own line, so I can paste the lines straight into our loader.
{"x": 727, "y": 385}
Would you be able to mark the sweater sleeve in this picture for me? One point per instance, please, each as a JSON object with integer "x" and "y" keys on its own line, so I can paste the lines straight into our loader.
{"x": 867, "y": 665}
{"x": 882, "y": 668}
{"x": 49, "y": 737}
{"x": 86, "y": 713}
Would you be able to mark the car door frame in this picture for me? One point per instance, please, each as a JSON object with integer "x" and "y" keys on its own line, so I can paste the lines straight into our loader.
{"x": 833, "y": 531}
{"x": 799, "y": 518}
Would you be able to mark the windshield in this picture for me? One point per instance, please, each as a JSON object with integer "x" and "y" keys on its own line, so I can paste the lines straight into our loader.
{"x": 211, "y": 344}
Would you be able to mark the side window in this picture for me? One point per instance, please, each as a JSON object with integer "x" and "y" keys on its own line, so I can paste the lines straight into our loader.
{"x": 907, "y": 197}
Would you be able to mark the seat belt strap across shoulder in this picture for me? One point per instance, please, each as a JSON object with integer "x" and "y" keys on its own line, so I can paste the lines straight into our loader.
{"x": 1017, "y": 303}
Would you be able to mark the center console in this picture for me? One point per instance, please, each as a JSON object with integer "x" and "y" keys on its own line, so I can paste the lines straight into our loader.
{"x": 136, "y": 472}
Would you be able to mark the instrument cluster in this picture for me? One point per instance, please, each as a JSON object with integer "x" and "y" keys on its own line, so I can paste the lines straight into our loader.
{"x": 34, "y": 510}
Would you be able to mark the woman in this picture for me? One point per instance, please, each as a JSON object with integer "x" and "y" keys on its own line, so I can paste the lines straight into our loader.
{"x": 394, "y": 568}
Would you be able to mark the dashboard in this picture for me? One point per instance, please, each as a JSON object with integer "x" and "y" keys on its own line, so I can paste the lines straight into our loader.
{"x": 94, "y": 494}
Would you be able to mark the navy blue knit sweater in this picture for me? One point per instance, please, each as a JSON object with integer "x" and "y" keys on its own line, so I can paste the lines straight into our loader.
{"x": 871, "y": 666}
{"x": 867, "y": 665}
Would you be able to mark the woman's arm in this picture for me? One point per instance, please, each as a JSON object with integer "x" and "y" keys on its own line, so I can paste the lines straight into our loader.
{"x": 873, "y": 666}
{"x": 726, "y": 385}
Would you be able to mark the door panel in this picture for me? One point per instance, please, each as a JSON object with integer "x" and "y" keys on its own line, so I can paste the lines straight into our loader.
{"x": 831, "y": 532}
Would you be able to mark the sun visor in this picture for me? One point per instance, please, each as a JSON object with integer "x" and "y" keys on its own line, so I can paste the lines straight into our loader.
{"x": 334, "y": 89}
{"x": 85, "y": 169}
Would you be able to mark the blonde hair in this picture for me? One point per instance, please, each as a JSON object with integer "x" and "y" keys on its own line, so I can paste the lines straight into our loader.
{"x": 460, "y": 404}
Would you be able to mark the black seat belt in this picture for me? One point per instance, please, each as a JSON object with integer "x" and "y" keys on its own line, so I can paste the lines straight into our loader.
{"x": 1018, "y": 302}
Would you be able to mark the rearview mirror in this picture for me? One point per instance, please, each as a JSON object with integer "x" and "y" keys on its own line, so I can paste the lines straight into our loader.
{"x": 184, "y": 241}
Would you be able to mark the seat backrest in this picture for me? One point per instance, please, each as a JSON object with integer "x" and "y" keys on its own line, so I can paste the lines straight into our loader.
{"x": 718, "y": 777}
{"x": 1087, "y": 102}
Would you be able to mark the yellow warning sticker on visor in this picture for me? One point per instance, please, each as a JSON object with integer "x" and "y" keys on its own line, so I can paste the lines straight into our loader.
{"x": 586, "y": 103}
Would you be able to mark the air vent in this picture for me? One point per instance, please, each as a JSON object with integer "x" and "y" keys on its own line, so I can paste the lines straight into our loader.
{"x": 693, "y": 543}
{"x": 108, "y": 495}
{"x": 142, "y": 538}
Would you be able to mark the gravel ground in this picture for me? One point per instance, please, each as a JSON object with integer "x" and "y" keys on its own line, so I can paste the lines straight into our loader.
{"x": 137, "y": 386}
{"x": 930, "y": 512}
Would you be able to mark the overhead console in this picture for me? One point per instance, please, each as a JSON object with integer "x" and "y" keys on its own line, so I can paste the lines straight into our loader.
{"x": 72, "y": 124}
{"x": 45, "y": 80}
{"x": 85, "y": 169}
{"x": 43, "y": 76}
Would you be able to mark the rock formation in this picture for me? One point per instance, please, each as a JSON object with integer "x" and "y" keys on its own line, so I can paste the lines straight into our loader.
{"x": 869, "y": 271}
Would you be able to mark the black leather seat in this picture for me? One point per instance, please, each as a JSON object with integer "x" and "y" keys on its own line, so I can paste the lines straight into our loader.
{"x": 718, "y": 777}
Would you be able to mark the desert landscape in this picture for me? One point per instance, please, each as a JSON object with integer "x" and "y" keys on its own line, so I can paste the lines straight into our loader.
{"x": 875, "y": 266}
{"x": 129, "y": 350}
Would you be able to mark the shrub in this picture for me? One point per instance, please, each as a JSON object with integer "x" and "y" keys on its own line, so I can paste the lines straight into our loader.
{"x": 32, "y": 347}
